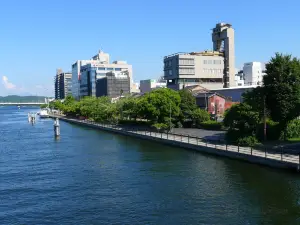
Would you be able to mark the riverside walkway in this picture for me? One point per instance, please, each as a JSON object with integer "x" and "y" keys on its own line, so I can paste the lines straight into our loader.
{"x": 284, "y": 158}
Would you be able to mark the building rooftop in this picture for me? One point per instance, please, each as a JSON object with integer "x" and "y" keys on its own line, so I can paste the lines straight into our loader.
{"x": 204, "y": 53}
{"x": 237, "y": 87}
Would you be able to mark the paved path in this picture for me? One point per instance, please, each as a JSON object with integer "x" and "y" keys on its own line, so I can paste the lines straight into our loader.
{"x": 206, "y": 134}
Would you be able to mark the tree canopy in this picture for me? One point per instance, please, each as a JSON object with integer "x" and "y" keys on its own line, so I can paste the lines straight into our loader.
{"x": 243, "y": 118}
{"x": 282, "y": 88}
{"x": 187, "y": 105}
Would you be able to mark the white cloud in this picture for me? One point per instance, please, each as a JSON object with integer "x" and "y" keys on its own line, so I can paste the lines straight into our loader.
{"x": 7, "y": 84}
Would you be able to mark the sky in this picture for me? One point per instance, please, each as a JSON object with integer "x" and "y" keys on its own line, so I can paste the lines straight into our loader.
{"x": 37, "y": 37}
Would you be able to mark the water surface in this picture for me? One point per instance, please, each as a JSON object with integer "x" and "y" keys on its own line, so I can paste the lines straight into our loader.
{"x": 94, "y": 177}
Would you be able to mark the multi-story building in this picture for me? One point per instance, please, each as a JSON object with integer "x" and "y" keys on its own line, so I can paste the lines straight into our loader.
{"x": 210, "y": 69}
{"x": 239, "y": 78}
{"x": 114, "y": 84}
{"x": 253, "y": 73}
{"x": 86, "y": 72}
{"x": 187, "y": 69}
{"x": 62, "y": 84}
{"x": 151, "y": 84}
{"x": 91, "y": 72}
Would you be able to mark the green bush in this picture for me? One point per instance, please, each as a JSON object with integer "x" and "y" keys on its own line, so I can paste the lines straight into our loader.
{"x": 232, "y": 136}
{"x": 161, "y": 127}
{"x": 187, "y": 124}
{"x": 236, "y": 138}
{"x": 211, "y": 125}
{"x": 247, "y": 141}
{"x": 293, "y": 129}
{"x": 199, "y": 116}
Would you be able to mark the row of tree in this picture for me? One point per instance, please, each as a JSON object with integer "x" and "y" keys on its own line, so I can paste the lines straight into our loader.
{"x": 164, "y": 108}
{"x": 273, "y": 105}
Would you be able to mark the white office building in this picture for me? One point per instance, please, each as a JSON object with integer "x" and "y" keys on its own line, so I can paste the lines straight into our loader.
{"x": 253, "y": 73}
{"x": 86, "y": 72}
{"x": 151, "y": 84}
{"x": 239, "y": 78}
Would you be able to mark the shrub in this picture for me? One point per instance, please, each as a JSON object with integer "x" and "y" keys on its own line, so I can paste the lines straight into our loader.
{"x": 187, "y": 124}
{"x": 293, "y": 129}
{"x": 199, "y": 116}
{"x": 236, "y": 138}
{"x": 247, "y": 141}
{"x": 161, "y": 127}
{"x": 211, "y": 125}
{"x": 232, "y": 136}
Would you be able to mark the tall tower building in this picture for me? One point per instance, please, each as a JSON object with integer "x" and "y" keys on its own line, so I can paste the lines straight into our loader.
{"x": 223, "y": 41}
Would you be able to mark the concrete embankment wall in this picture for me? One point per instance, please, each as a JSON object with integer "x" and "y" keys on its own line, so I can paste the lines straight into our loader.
{"x": 234, "y": 155}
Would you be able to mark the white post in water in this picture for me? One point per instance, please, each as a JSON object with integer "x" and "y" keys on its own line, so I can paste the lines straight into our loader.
{"x": 56, "y": 128}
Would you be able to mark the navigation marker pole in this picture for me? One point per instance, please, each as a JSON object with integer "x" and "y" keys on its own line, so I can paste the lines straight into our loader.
{"x": 56, "y": 128}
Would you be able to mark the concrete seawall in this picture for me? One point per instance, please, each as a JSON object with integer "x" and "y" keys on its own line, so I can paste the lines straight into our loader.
{"x": 286, "y": 161}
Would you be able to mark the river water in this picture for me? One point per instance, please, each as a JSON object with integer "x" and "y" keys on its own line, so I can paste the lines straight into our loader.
{"x": 95, "y": 177}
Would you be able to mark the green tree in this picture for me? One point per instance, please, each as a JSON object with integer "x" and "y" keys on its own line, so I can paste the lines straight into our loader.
{"x": 242, "y": 118}
{"x": 56, "y": 105}
{"x": 43, "y": 106}
{"x": 128, "y": 107}
{"x": 255, "y": 98}
{"x": 156, "y": 106}
{"x": 71, "y": 107}
{"x": 199, "y": 116}
{"x": 282, "y": 88}
{"x": 88, "y": 106}
{"x": 187, "y": 105}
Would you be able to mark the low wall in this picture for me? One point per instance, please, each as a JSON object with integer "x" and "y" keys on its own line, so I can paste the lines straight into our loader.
{"x": 208, "y": 150}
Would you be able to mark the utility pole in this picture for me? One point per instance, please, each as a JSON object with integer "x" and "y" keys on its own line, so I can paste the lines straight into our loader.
{"x": 265, "y": 119}
{"x": 205, "y": 101}
{"x": 170, "y": 118}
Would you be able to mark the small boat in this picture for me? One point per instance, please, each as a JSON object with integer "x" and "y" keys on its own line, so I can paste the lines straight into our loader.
{"x": 44, "y": 113}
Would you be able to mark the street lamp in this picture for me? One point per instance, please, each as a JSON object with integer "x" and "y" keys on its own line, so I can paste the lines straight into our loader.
{"x": 170, "y": 118}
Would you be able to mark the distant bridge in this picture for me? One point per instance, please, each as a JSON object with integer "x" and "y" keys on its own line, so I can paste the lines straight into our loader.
{"x": 21, "y": 103}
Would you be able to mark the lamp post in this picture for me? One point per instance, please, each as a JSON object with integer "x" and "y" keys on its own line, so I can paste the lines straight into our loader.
{"x": 170, "y": 118}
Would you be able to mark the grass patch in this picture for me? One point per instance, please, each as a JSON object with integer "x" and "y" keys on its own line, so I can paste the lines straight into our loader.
{"x": 293, "y": 140}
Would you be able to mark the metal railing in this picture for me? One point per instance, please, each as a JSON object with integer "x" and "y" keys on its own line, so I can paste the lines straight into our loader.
{"x": 284, "y": 155}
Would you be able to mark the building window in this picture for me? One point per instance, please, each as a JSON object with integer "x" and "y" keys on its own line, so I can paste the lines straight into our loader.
{"x": 186, "y": 61}
{"x": 205, "y": 61}
{"x": 218, "y": 62}
{"x": 110, "y": 69}
{"x": 170, "y": 72}
{"x": 186, "y": 70}
{"x": 118, "y": 69}
{"x": 101, "y": 68}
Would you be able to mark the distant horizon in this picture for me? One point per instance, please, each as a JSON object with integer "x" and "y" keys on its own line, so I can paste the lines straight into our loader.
{"x": 40, "y": 96}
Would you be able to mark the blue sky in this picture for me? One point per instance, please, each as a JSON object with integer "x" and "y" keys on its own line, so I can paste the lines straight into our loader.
{"x": 36, "y": 37}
